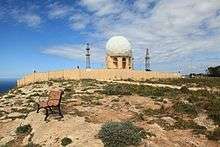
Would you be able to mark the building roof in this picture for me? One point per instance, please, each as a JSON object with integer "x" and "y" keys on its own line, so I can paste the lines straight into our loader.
{"x": 118, "y": 46}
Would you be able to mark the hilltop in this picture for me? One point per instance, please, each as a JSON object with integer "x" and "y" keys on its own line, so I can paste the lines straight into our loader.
{"x": 179, "y": 112}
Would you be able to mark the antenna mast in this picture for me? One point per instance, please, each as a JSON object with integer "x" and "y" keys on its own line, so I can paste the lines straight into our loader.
{"x": 147, "y": 60}
{"x": 88, "y": 57}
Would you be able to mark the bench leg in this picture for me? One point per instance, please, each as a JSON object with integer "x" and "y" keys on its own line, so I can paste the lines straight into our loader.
{"x": 47, "y": 114}
{"x": 38, "y": 108}
{"x": 60, "y": 113}
{"x": 51, "y": 110}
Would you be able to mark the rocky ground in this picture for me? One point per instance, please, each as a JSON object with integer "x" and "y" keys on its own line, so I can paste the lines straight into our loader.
{"x": 168, "y": 114}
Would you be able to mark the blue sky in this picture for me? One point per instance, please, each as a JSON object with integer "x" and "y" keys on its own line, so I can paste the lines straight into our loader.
{"x": 51, "y": 35}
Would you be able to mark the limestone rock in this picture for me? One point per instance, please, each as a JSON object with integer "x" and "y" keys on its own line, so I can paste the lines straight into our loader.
{"x": 27, "y": 139}
{"x": 16, "y": 115}
{"x": 203, "y": 120}
{"x": 148, "y": 118}
{"x": 6, "y": 120}
{"x": 75, "y": 102}
{"x": 133, "y": 109}
{"x": 3, "y": 117}
{"x": 5, "y": 140}
{"x": 169, "y": 120}
{"x": 83, "y": 132}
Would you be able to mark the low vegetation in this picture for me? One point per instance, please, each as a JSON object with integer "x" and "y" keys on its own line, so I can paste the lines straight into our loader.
{"x": 189, "y": 82}
{"x": 189, "y": 124}
{"x": 120, "y": 134}
{"x": 144, "y": 90}
{"x": 184, "y": 89}
{"x": 65, "y": 141}
{"x": 9, "y": 96}
{"x": 88, "y": 82}
{"x": 185, "y": 108}
{"x": 195, "y": 101}
{"x": 23, "y": 130}
{"x": 215, "y": 135}
{"x": 214, "y": 109}
{"x": 170, "y": 108}
{"x": 117, "y": 89}
{"x": 129, "y": 89}
{"x": 31, "y": 144}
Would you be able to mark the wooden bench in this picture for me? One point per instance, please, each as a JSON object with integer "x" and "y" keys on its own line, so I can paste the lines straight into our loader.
{"x": 54, "y": 100}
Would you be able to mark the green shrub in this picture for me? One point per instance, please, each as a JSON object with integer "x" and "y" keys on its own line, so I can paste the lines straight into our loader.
{"x": 192, "y": 82}
{"x": 144, "y": 90}
{"x": 88, "y": 82}
{"x": 214, "y": 110}
{"x": 184, "y": 90}
{"x": 203, "y": 93}
{"x": 189, "y": 124}
{"x": 5, "y": 145}
{"x": 65, "y": 141}
{"x": 86, "y": 98}
{"x": 187, "y": 108}
{"x": 9, "y": 96}
{"x": 35, "y": 95}
{"x": 68, "y": 89}
{"x": 67, "y": 95}
{"x": 215, "y": 135}
{"x": 25, "y": 129}
{"x": 120, "y": 134}
{"x": 2, "y": 113}
{"x": 193, "y": 99}
{"x": 129, "y": 89}
{"x": 57, "y": 80}
{"x": 117, "y": 89}
{"x": 23, "y": 93}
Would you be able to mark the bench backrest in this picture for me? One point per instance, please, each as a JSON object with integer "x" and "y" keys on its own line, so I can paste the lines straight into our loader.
{"x": 55, "y": 97}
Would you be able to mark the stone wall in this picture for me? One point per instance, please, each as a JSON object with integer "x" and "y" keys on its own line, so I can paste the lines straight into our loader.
{"x": 99, "y": 74}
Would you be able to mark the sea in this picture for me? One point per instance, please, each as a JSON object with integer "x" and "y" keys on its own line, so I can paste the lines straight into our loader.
{"x": 7, "y": 84}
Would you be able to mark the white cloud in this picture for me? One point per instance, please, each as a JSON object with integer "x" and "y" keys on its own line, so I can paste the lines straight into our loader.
{"x": 173, "y": 30}
{"x": 32, "y": 20}
{"x": 68, "y": 51}
{"x": 74, "y": 51}
{"x": 2, "y": 12}
{"x": 79, "y": 21}
{"x": 25, "y": 14}
{"x": 58, "y": 10}
{"x": 102, "y": 7}
{"x": 214, "y": 22}
{"x": 144, "y": 5}
{"x": 29, "y": 18}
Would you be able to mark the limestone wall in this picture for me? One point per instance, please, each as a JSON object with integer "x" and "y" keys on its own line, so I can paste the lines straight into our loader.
{"x": 110, "y": 62}
{"x": 99, "y": 74}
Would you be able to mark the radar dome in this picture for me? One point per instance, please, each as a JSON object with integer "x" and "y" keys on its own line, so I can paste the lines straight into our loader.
{"x": 118, "y": 46}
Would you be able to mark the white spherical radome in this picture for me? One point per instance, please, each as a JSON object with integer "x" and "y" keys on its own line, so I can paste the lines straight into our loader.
{"x": 118, "y": 46}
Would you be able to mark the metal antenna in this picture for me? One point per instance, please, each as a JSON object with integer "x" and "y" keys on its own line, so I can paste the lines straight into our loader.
{"x": 147, "y": 60}
{"x": 88, "y": 56}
